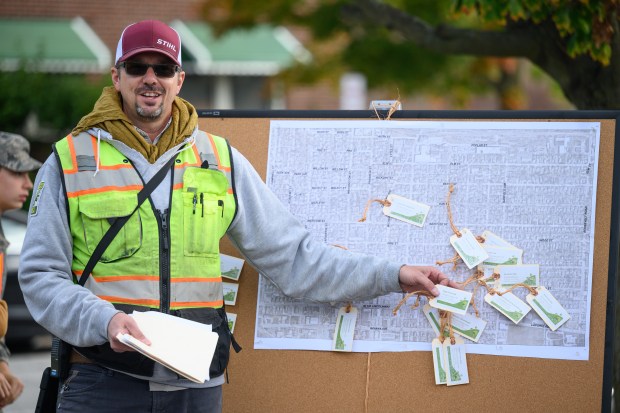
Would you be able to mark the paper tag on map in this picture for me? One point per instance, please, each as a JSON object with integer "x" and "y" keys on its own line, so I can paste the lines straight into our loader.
{"x": 230, "y": 293}
{"x": 439, "y": 362}
{"x": 230, "y": 266}
{"x": 451, "y": 299}
{"x": 508, "y": 304}
{"x": 468, "y": 248}
{"x": 406, "y": 210}
{"x": 432, "y": 315}
{"x": 232, "y": 320}
{"x": 499, "y": 256}
{"x": 468, "y": 326}
{"x": 502, "y": 255}
{"x": 548, "y": 308}
{"x": 345, "y": 328}
{"x": 492, "y": 239}
{"x": 456, "y": 362}
{"x": 509, "y": 275}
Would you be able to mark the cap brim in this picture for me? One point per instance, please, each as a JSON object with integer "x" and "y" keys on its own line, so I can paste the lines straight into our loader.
{"x": 147, "y": 49}
{"x": 26, "y": 165}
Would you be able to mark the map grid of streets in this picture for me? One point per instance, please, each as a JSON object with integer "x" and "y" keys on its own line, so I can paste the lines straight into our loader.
{"x": 531, "y": 183}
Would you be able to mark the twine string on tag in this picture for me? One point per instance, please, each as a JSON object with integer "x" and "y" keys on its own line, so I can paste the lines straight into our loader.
{"x": 473, "y": 300}
{"x": 445, "y": 321}
{"x": 450, "y": 217}
{"x": 406, "y": 297}
{"x": 454, "y": 260}
{"x": 367, "y": 383}
{"x": 383, "y": 202}
{"x": 393, "y": 108}
{"x": 475, "y": 278}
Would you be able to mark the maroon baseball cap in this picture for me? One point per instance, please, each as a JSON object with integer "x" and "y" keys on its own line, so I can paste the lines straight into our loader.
{"x": 149, "y": 36}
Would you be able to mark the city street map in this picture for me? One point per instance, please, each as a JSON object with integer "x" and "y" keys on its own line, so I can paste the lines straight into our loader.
{"x": 531, "y": 183}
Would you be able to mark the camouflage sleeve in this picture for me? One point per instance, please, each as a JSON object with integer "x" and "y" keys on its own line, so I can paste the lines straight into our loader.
{"x": 5, "y": 353}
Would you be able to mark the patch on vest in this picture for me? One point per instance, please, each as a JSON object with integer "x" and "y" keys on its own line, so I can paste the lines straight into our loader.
{"x": 34, "y": 205}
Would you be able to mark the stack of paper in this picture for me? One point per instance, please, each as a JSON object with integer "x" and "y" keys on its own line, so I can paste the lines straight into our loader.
{"x": 184, "y": 346}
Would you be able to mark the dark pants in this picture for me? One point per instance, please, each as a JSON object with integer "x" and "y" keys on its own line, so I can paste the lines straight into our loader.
{"x": 92, "y": 388}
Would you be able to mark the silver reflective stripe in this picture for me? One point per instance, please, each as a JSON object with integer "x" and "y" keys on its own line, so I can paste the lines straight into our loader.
{"x": 145, "y": 289}
{"x": 83, "y": 181}
{"x": 205, "y": 151}
{"x": 196, "y": 292}
{"x": 83, "y": 145}
{"x": 228, "y": 176}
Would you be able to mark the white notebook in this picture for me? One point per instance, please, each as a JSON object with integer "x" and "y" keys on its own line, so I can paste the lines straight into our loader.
{"x": 184, "y": 346}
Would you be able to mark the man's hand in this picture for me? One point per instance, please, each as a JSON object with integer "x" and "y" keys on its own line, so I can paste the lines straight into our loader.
{"x": 5, "y": 390}
{"x": 413, "y": 278}
{"x": 124, "y": 324}
{"x": 16, "y": 387}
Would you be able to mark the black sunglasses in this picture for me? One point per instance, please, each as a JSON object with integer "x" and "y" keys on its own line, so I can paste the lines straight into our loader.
{"x": 139, "y": 69}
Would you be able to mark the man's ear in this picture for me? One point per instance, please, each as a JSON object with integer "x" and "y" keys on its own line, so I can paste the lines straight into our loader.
{"x": 116, "y": 78}
{"x": 180, "y": 81}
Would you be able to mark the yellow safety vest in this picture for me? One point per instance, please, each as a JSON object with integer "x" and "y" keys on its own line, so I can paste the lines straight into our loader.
{"x": 163, "y": 261}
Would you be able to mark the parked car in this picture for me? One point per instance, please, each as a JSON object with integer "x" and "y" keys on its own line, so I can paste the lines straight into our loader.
{"x": 23, "y": 331}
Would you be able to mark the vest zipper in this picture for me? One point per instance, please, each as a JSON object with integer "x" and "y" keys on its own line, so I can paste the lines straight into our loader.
{"x": 164, "y": 263}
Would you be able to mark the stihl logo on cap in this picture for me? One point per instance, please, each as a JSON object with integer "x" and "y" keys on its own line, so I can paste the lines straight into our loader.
{"x": 167, "y": 44}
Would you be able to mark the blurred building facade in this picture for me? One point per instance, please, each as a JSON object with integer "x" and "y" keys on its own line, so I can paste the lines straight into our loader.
{"x": 236, "y": 71}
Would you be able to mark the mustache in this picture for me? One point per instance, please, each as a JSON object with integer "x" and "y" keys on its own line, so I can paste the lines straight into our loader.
{"x": 150, "y": 88}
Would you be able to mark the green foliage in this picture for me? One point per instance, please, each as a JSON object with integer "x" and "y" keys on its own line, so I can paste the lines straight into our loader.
{"x": 385, "y": 61}
{"x": 586, "y": 26}
{"x": 342, "y": 37}
{"x": 376, "y": 51}
{"x": 59, "y": 101}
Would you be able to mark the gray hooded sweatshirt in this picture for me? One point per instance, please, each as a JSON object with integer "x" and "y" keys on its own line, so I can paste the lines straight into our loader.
{"x": 266, "y": 234}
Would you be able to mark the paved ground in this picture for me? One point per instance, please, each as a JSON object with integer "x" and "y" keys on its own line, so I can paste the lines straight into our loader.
{"x": 28, "y": 367}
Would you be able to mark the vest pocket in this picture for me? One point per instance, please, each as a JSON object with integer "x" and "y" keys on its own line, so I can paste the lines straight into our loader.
{"x": 97, "y": 215}
{"x": 202, "y": 219}
{"x": 204, "y": 191}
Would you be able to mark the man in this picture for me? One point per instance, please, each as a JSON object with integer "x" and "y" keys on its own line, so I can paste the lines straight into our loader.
{"x": 166, "y": 257}
{"x": 15, "y": 185}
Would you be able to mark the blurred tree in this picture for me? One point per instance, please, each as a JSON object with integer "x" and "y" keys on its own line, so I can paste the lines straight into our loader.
{"x": 57, "y": 102}
{"x": 451, "y": 46}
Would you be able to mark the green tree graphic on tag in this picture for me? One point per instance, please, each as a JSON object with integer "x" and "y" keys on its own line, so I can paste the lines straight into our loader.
{"x": 555, "y": 318}
{"x": 509, "y": 261}
{"x": 472, "y": 332}
{"x": 418, "y": 218}
{"x": 513, "y": 315}
{"x": 339, "y": 340}
{"x": 460, "y": 305}
{"x": 454, "y": 374}
{"x": 442, "y": 372}
{"x": 232, "y": 273}
{"x": 468, "y": 258}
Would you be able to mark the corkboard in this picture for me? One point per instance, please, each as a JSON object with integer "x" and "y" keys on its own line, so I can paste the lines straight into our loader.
{"x": 316, "y": 381}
